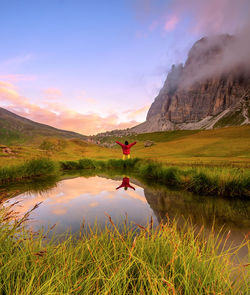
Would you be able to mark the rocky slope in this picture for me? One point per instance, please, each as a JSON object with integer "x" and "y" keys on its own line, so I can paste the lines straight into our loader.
{"x": 208, "y": 91}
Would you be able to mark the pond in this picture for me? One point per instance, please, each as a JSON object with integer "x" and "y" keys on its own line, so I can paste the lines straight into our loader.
{"x": 72, "y": 199}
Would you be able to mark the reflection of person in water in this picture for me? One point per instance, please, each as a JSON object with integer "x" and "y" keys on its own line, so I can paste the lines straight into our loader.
{"x": 125, "y": 184}
{"x": 126, "y": 148}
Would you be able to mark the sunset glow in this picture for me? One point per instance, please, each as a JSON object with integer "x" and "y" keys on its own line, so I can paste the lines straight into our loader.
{"x": 93, "y": 66}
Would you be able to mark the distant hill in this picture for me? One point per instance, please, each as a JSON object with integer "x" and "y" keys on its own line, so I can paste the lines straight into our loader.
{"x": 16, "y": 129}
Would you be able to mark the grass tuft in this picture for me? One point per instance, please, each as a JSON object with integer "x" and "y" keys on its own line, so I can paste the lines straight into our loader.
{"x": 31, "y": 168}
{"x": 126, "y": 259}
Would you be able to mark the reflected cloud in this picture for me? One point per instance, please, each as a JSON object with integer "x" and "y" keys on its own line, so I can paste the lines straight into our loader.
{"x": 94, "y": 204}
{"x": 110, "y": 196}
{"x": 73, "y": 200}
{"x": 134, "y": 195}
{"x": 59, "y": 211}
{"x": 70, "y": 190}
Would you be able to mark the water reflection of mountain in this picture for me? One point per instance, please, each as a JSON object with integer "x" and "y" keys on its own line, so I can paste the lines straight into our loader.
{"x": 202, "y": 210}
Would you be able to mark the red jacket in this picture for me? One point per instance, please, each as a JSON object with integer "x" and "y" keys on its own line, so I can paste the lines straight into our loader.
{"x": 126, "y": 148}
{"x": 125, "y": 183}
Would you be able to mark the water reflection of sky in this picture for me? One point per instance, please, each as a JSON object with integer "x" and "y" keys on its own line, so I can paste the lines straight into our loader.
{"x": 89, "y": 198}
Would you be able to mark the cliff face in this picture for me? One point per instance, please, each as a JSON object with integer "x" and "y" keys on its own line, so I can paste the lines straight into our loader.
{"x": 202, "y": 92}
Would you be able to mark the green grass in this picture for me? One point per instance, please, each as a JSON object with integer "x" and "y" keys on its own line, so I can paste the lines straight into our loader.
{"x": 29, "y": 169}
{"x": 230, "y": 119}
{"x": 233, "y": 182}
{"x": 215, "y": 181}
{"x": 11, "y": 137}
{"x": 125, "y": 259}
{"x": 220, "y": 147}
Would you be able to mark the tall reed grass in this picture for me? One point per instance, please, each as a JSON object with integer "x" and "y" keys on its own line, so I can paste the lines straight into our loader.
{"x": 130, "y": 259}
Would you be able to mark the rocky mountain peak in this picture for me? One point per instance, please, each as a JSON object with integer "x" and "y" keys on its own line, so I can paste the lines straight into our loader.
{"x": 208, "y": 84}
{"x": 212, "y": 89}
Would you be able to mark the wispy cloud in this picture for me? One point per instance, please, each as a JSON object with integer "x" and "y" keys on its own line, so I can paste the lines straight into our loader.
{"x": 52, "y": 92}
{"x": 213, "y": 17}
{"x": 205, "y": 17}
{"x": 133, "y": 114}
{"x": 171, "y": 23}
{"x": 6, "y": 84}
{"x": 91, "y": 101}
{"x": 17, "y": 60}
{"x": 18, "y": 77}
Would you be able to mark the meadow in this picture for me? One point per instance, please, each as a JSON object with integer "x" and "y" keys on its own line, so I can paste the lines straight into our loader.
{"x": 219, "y": 147}
{"x": 212, "y": 162}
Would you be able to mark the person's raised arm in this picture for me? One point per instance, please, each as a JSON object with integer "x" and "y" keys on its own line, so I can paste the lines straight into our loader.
{"x": 119, "y": 143}
{"x": 133, "y": 143}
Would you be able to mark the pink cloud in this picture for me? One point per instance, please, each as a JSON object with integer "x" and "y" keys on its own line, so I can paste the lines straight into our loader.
{"x": 91, "y": 101}
{"x": 132, "y": 114}
{"x": 58, "y": 115}
{"x": 171, "y": 23}
{"x": 18, "y": 77}
{"x": 52, "y": 92}
{"x": 214, "y": 17}
{"x": 205, "y": 17}
{"x": 6, "y": 84}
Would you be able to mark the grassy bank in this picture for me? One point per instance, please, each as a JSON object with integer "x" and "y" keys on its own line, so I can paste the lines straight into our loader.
{"x": 131, "y": 260}
{"x": 217, "y": 181}
{"x": 28, "y": 169}
{"x": 223, "y": 181}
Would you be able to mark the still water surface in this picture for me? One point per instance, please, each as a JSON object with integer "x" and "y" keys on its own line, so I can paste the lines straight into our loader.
{"x": 74, "y": 199}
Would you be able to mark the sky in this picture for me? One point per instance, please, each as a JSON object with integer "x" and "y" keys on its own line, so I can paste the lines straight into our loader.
{"x": 93, "y": 66}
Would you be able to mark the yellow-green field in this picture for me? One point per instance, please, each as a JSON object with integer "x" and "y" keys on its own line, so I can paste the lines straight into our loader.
{"x": 225, "y": 146}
